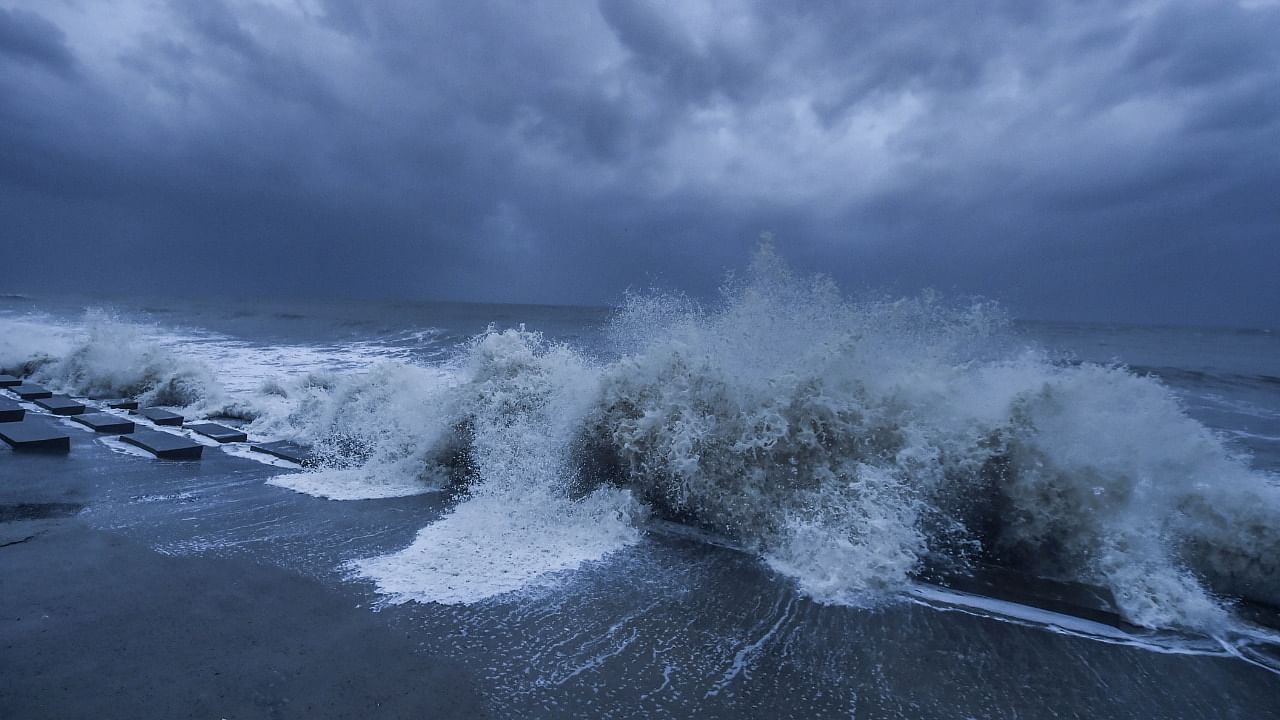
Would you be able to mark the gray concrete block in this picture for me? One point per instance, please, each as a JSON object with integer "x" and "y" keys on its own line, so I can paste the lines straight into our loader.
{"x": 33, "y": 435}
{"x": 105, "y": 422}
{"x": 27, "y": 391}
{"x": 61, "y": 405}
{"x": 221, "y": 433}
{"x": 11, "y": 411}
{"x": 166, "y": 446}
{"x": 161, "y": 417}
{"x": 286, "y": 450}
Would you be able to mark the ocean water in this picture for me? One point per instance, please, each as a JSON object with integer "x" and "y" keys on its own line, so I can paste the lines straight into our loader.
{"x": 760, "y": 505}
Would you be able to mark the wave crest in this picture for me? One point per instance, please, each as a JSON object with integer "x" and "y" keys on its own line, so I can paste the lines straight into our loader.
{"x": 106, "y": 357}
{"x": 852, "y": 443}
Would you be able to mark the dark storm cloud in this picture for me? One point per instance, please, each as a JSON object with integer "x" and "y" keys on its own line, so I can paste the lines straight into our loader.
{"x": 27, "y": 37}
{"x": 1103, "y": 160}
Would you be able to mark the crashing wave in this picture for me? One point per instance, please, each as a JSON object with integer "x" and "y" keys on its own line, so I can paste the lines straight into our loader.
{"x": 107, "y": 357}
{"x": 855, "y": 445}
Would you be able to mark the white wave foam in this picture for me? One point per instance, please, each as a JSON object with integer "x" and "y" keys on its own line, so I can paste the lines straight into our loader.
{"x": 30, "y": 340}
{"x": 524, "y": 401}
{"x": 493, "y": 545}
{"x": 354, "y": 483}
{"x": 104, "y": 356}
{"x": 246, "y": 453}
{"x": 950, "y": 600}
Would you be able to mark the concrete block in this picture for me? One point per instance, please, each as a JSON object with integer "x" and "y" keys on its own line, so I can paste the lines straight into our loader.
{"x": 166, "y": 446}
{"x": 7, "y": 380}
{"x": 61, "y": 405}
{"x": 221, "y": 433}
{"x": 161, "y": 417}
{"x": 286, "y": 450}
{"x": 27, "y": 391}
{"x": 123, "y": 404}
{"x": 10, "y": 411}
{"x": 105, "y": 422}
{"x": 33, "y": 435}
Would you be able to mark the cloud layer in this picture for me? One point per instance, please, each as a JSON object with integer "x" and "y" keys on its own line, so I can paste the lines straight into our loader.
{"x": 1078, "y": 160}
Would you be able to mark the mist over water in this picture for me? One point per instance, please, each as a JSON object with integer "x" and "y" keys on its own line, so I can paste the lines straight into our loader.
{"x": 853, "y": 445}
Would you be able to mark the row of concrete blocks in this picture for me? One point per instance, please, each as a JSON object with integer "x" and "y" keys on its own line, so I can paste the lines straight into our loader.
{"x": 35, "y": 436}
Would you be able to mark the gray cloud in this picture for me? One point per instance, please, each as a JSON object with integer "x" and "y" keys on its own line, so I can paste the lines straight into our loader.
{"x": 1097, "y": 160}
{"x": 29, "y": 38}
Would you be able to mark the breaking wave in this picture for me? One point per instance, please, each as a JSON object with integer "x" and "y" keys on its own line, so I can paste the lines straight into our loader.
{"x": 855, "y": 445}
{"x": 107, "y": 357}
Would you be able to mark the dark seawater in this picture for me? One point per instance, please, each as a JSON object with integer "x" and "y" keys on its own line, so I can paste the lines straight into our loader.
{"x": 571, "y": 593}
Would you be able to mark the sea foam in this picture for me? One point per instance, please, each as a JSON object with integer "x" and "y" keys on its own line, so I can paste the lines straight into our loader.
{"x": 105, "y": 356}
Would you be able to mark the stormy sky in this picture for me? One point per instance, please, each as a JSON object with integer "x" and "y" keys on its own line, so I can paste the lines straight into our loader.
{"x": 1075, "y": 160}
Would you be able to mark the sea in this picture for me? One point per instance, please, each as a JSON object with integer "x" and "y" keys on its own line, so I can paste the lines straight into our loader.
{"x": 784, "y": 501}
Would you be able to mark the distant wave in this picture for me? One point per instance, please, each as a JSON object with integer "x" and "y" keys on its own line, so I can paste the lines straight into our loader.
{"x": 1205, "y": 377}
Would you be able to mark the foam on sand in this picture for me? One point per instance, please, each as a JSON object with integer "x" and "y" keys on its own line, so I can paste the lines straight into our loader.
{"x": 353, "y": 483}
{"x": 495, "y": 545}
